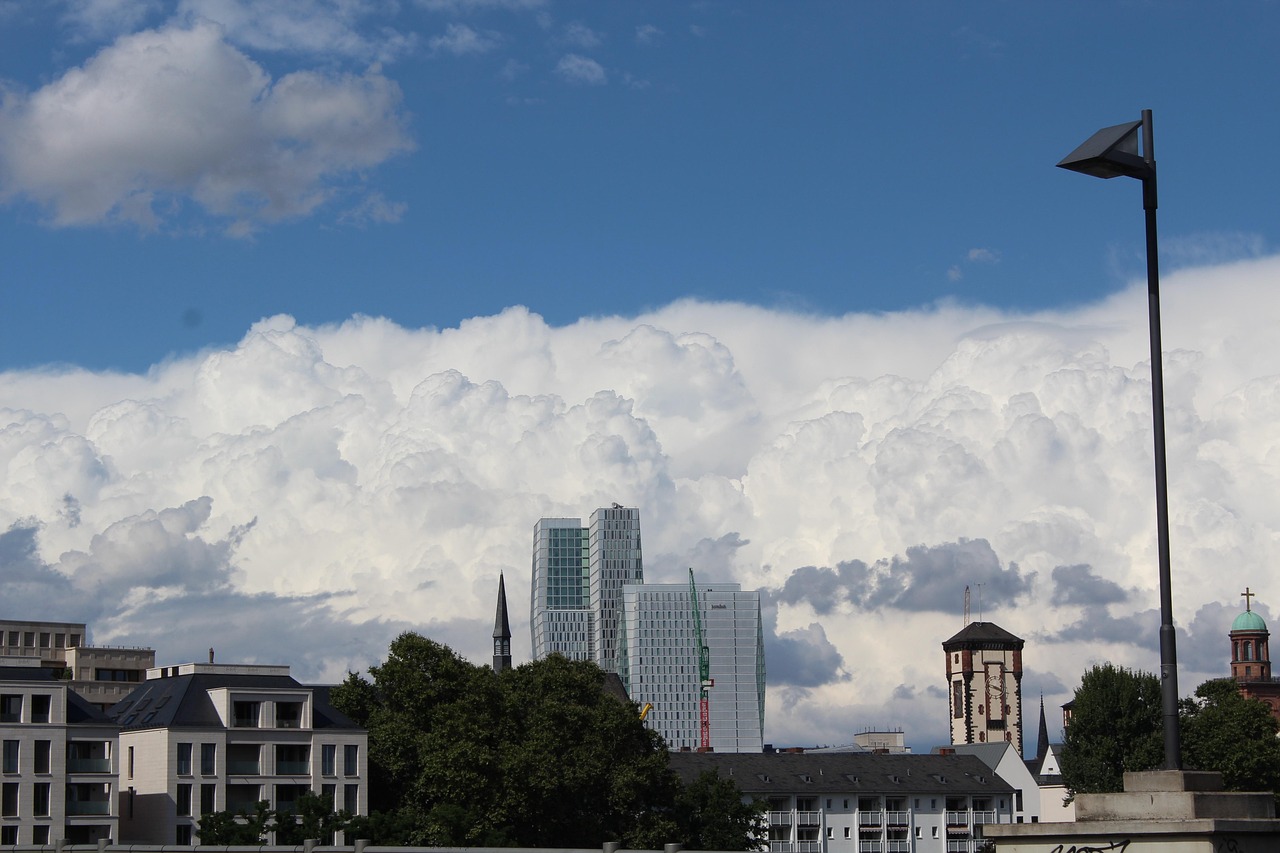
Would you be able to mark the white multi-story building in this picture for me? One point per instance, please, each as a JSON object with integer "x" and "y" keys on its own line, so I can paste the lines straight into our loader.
{"x": 859, "y": 802}
{"x": 103, "y": 675}
{"x": 200, "y": 738}
{"x": 58, "y": 776}
{"x": 658, "y": 662}
{"x": 578, "y": 575}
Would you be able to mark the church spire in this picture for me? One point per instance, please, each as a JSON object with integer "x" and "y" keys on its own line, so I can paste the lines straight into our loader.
{"x": 501, "y": 631}
{"x": 1042, "y": 737}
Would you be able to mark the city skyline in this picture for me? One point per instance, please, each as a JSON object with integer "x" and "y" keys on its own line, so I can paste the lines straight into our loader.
{"x": 302, "y": 336}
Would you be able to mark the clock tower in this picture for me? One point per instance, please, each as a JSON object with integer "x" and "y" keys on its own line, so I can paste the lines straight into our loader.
{"x": 984, "y": 675}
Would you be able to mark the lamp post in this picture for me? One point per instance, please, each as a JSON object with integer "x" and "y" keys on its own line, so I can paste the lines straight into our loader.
{"x": 1110, "y": 153}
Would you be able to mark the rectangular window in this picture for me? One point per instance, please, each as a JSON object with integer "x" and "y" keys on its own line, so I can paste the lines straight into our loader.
{"x": 130, "y": 762}
{"x": 957, "y": 699}
{"x": 351, "y": 798}
{"x": 44, "y": 640}
{"x": 831, "y": 832}
{"x": 43, "y": 751}
{"x": 184, "y": 800}
{"x": 935, "y": 832}
{"x": 40, "y": 703}
{"x": 184, "y": 759}
{"x": 11, "y": 708}
{"x": 11, "y": 756}
{"x": 288, "y": 715}
{"x": 9, "y": 799}
{"x": 60, "y": 641}
{"x": 9, "y": 836}
{"x": 40, "y": 799}
{"x": 919, "y": 832}
{"x": 245, "y": 715}
{"x": 182, "y": 834}
{"x": 848, "y": 832}
{"x": 208, "y": 759}
{"x": 329, "y": 794}
{"x": 328, "y": 759}
{"x": 243, "y": 759}
{"x": 40, "y": 834}
{"x": 351, "y": 760}
{"x": 293, "y": 759}
{"x": 208, "y": 798}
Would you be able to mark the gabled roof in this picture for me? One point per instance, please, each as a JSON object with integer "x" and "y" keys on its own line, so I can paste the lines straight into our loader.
{"x": 183, "y": 701}
{"x": 762, "y": 774}
{"x": 982, "y": 633}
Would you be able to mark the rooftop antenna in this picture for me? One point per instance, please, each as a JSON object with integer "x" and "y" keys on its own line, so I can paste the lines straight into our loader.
{"x": 979, "y": 586}
{"x": 966, "y": 607}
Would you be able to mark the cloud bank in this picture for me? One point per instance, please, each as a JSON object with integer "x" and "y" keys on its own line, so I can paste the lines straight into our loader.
{"x": 317, "y": 489}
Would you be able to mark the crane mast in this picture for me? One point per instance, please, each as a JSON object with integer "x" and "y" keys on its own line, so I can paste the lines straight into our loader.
{"x": 705, "y": 682}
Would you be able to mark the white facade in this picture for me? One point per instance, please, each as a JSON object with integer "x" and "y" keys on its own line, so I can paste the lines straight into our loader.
{"x": 58, "y": 776}
{"x": 576, "y": 589}
{"x": 202, "y": 738}
{"x": 658, "y": 663}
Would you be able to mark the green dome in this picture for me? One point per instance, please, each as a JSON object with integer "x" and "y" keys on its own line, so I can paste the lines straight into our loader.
{"x": 1248, "y": 621}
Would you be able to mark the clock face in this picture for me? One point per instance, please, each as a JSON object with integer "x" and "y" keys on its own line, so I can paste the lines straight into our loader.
{"x": 995, "y": 683}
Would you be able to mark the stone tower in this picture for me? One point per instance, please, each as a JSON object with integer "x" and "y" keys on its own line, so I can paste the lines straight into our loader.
{"x": 984, "y": 676}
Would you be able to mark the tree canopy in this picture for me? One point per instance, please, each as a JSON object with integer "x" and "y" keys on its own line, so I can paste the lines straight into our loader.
{"x": 536, "y": 756}
{"x": 1116, "y": 726}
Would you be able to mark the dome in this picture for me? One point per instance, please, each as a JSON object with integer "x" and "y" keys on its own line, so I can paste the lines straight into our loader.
{"x": 1248, "y": 621}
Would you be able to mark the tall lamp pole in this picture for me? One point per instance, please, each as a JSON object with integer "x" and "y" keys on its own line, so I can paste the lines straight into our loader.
{"x": 1110, "y": 153}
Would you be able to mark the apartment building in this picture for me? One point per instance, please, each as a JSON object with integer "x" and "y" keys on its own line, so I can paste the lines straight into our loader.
{"x": 58, "y": 776}
{"x": 103, "y": 675}
{"x": 200, "y": 738}
{"x": 859, "y": 802}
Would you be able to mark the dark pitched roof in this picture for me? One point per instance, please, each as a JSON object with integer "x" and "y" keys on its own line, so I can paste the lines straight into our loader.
{"x": 982, "y": 634}
{"x": 762, "y": 774}
{"x": 501, "y": 627}
{"x": 182, "y": 701}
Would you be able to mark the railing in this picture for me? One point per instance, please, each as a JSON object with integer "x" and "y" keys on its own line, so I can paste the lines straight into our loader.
{"x": 955, "y": 846}
{"x": 984, "y": 817}
{"x": 91, "y": 807}
{"x": 870, "y": 846}
{"x": 780, "y": 847}
{"x": 243, "y": 768}
{"x": 808, "y": 847}
{"x": 780, "y": 818}
{"x": 957, "y": 818}
{"x": 898, "y": 845}
{"x": 292, "y": 768}
{"x": 869, "y": 818}
{"x": 88, "y": 765}
{"x": 897, "y": 818}
{"x": 808, "y": 818}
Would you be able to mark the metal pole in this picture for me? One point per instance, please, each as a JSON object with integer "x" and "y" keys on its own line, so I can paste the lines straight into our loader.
{"x": 1168, "y": 647}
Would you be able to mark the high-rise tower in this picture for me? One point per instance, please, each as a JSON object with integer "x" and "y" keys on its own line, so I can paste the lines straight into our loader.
{"x": 615, "y": 561}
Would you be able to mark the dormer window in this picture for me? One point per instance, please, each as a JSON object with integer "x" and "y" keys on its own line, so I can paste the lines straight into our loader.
{"x": 245, "y": 714}
{"x": 288, "y": 715}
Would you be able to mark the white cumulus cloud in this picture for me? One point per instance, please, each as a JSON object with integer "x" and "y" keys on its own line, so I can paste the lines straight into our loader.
{"x": 581, "y": 69}
{"x": 311, "y": 491}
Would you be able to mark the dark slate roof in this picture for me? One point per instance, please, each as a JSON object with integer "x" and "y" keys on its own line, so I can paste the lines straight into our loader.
{"x": 982, "y": 633}
{"x": 182, "y": 701}
{"x": 761, "y": 774}
{"x": 501, "y": 625}
{"x": 79, "y": 711}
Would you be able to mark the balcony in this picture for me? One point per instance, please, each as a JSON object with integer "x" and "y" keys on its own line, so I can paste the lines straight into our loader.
{"x": 89, "y": 807}
{"x": 808, "y": 819}
{"x": 958, "y": 818}
{"x": 88, "y": 765}
{"x": 780, "y": 818}
{"x": 293, "y": 768}
{"x": 898, "y": 845}
{"x": 956, "y": 846}
{"x": 869, "y": 819}
{"x": 898, "y": 818}
{"x": 807, "y": 847}
{"x": 984, "y": 817}
{"x": 243, "y": 767}
{"x": 870, "y": 846}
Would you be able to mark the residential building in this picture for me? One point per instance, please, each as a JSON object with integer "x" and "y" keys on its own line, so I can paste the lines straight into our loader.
{"x": 984, "y": 679}
{"x": 577, "y": 580}
{"x": 200, "y": 738}
{"x": 658, "y": 662}
{"x": 102, "y": 675}
{"x": 1005, "y": 762}
{"x": 58, "y": 779}
{"x": 860, "y": 802}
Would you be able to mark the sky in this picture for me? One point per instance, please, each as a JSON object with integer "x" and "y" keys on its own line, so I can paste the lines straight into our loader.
{"x": 313, "y": 307}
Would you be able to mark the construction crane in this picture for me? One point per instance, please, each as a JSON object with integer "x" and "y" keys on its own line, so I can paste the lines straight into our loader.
{"x": 705, "y": 681}
{"x": 644, "y": 712}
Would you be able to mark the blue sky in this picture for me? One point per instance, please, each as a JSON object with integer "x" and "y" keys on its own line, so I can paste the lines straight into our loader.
{"x": 827, "y": 157}
{"x": 313, "y": 308}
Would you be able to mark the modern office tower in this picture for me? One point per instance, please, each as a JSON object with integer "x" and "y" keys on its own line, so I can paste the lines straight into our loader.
{"x": 578, "y": 575}
{"x": 615, "y": 561}
{"x": 560, "y": 618}
{"x": 658, "y": 662}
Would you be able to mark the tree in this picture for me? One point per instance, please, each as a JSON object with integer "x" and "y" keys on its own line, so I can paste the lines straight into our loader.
{"x": 1224, "y": 731}
{"x": 1115, "y": 727}
{"x": 312, "y": 817}
{"x": 712, "y": 815}
{"x": 537, "y": 756}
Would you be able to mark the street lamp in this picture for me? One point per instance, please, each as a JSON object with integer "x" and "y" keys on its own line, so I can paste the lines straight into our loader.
{"x": 1109, "y": 153}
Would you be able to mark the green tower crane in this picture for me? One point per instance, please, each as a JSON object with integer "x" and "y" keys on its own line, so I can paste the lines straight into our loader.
{"x": 705, "y": 681}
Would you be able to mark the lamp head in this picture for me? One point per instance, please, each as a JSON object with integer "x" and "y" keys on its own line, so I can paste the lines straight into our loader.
{"x": 1110, "y": 153}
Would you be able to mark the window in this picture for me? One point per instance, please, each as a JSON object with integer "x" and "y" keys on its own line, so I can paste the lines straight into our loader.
{"x": 245, "y": 714}
{"x": 60, "y": 641}
{"x": 831, "y": 832}
{"x": 957, "y": 699}
{"x": 40, "y": 708}
{"x": 828, "y": 803}
{"x": 11, "y": 756}
{"x": 919, "y": 832}
{"x": 208, "y": 798}
{"x": 10, "y": 708}
{"x": 329, "y": 794}
{"x": 328, "y": 759}
{"x": 288, "y": 715}
{"x": 40, "y": 799}
{"x": 130, "y": 762}
{"x": 935, "y": 832}
{"x": 184, "y": 759}
{"x": 73, "y": 641}
{"x": 351, "y": 760}
{"x": 9, "y": 799}
{"x": 848, "y": 832}
{"x": 182, "y": 834}
{"x": 292, "y": 759}
{"x": 243, "y": 759}
{"x": 43, "y": 749}
{"x": 9, "y": 836}
{"x": 184, "y": 800}
{"x": 44, "y": 640}
{"x": 40, "y": 834}
{"x": 351, "y": 798}
{"x": 208, "y": 759}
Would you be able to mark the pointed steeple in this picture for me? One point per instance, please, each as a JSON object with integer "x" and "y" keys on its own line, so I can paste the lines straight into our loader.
{"x": 1042, "y": 737}
{"x": 501, "y": 631}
